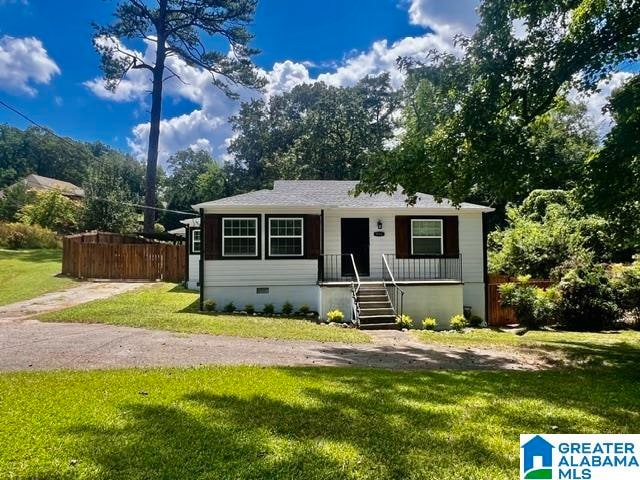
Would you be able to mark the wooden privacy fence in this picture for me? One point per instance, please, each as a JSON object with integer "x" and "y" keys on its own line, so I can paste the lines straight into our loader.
{"x": 123, "y": 261}
{"x": 500, "y": 316}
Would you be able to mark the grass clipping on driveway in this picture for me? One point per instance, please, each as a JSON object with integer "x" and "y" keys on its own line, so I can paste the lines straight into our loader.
{"x": 277, "y": 423}
{"x": 26, "y": 274}
{"x": 167, "y": 307}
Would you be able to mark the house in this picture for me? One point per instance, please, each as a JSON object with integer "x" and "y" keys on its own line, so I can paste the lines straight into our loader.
{"x": 315, "y": 243}
{"x": 39, "y": 183}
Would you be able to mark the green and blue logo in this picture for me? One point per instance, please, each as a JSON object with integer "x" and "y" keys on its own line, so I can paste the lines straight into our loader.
{"x": 536, "y": 459}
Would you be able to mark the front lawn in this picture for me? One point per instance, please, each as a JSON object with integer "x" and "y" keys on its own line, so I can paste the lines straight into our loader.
{"x": 297, "y": 423}
{"x": 167, "y": 307}
{"x": 26, "y": 274}
{"x": 615, "y": 348}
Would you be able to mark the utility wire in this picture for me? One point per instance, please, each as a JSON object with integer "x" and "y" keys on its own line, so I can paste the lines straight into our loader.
{"x": 74, "y": 145}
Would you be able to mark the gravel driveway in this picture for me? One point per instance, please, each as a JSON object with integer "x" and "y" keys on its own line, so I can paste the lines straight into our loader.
{"x": 33, "y": 345}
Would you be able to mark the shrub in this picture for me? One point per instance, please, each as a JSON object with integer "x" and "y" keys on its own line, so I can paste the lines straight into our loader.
{"x": 588, "y": 300}
{"x": 458, "y": 322}
{"x": 250, "y": 309}
{"x": 429, "y": 323}
{"x": 475, "y": 321}
{"x": 210, "y": 305}
{"x": 304, "y": 309}
{"x": 533, "y": 305}
{"x": 335, "y": 316}
{"x": 404, "y": 321}
{"x": 287, "y": 308}
{"x": 51, "y": 209}
{"x": 229, "y": 307}
{"x": 269, "y": 309}
{"x": 19, "y": 235}
{"x": 625, "y": 280}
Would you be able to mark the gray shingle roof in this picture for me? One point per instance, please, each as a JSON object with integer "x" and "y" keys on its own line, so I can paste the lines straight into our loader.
{"x": 328, "y": 194}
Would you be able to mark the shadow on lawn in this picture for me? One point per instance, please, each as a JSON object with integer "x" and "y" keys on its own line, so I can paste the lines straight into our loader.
{"x": 375, "y": 424}
{"x": 33, "y": 256}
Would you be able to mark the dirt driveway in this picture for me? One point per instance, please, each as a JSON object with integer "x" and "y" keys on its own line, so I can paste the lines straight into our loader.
{"x": 34, "y": 345}
{"x": 84, "y": 292}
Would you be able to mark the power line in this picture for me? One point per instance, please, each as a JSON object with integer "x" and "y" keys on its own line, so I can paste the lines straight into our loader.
{"x": 69, "y": 142}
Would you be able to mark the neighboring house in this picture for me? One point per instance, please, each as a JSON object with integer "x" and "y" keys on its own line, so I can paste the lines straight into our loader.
{"x": 314, "y": 243}
{"x": 40, "y": 183}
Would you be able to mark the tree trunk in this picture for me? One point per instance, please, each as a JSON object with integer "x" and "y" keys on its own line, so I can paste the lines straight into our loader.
{"x": 154, "y": 131}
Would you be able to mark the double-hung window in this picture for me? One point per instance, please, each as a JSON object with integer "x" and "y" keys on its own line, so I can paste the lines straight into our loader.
{"x": 195, "y": 240}
{"x": 240, "y": 237}
{"x": 286, "y": 238}
{"x": 426, "y": 237}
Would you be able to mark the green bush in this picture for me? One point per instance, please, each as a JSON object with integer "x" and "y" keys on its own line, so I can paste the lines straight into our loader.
{"x": 287, "y": 308}
{"x": 269, "y": 309}
{"x": 404, "y": 321}
{"x": 304, "y": 309}
{"x": 249, "y": 308}
{"x": 429, "y": 323}
{"x": 229, "y": 308}
{"x": 588, "y": 300}
{"x": 475, "y": 321}
{"x": 534, "y": 307}
{"x": 458, "y": 322}
{"x": 625, "y": 280}
{"x": 19, "y": 235}
{"x": 210, "y": 305}
{"x": 335, "y": 316}
{"x": 51, "y": 209}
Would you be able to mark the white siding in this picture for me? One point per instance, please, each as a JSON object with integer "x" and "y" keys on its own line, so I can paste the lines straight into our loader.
{"x": 470, "y": 230}
{"x": 241, "y": 296}
{"x": 194, "y": 271}
{"x": 238, "y": 273}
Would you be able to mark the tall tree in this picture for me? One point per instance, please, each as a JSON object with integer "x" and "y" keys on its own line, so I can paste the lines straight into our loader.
{"x": 194, "y": 177}
{"x": 613, "y": 186}
{"x": 523, "y": 56}
{"x": 312, "y": 132}
{"x": 178, "y": 28}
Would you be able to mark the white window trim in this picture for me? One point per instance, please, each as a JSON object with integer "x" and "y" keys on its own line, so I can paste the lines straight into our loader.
{"x": 255, "y": 253}
{"x": 301, "y": 237}
{"x": 441, "y": 236}
{"x": 193, "y": 241}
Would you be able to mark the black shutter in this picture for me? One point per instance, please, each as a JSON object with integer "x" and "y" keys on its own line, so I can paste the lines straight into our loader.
{"x": 451, "y": 237}
{"x": 212, "y": 237}
{"x": 403, "y": 237}
{"x": 312, "y": 236}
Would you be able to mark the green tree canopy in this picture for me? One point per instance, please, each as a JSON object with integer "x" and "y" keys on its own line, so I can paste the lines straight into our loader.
{"x": 523, "y": 57}
{"x": 51, "y": 209}
{"x": 315, "y": 131}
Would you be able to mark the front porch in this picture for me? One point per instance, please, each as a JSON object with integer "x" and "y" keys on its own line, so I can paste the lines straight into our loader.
{"x": 341, "y": 269}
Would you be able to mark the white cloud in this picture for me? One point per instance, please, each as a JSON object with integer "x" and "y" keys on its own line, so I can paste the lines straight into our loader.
{"x": 207, "y": 126}
{"x": 23, "y": 63}
{"x": 446, "y": 18}
{"x": 598, "y": 100}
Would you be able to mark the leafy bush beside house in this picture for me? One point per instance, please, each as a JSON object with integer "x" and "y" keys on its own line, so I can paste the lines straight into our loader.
{"x": 534, "y": 306}
{"x": 587, "y": 299}
{"x": 51, "y": 209}
{"x": 625, "y": 280}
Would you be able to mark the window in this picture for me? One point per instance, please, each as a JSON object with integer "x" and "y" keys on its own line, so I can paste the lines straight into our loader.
{"x": 426, "y": 237}
{"x": 285, "y": 237}
{"x": 240, "y": 237}
{"x": 195, "y": 240}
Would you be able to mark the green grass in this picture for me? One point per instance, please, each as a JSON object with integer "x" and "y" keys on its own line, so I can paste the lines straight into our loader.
{"x": 290, "y": 423}
{"x": 616, "y": 348}
{"x": 167, "y": 307}
{"x": 25, "y": 274}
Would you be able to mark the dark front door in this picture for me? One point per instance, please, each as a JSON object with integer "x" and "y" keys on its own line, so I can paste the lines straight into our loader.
{"x": 354, "y": 234}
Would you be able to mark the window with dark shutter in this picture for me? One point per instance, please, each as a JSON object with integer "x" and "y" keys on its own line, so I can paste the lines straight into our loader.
{"x": 427, "y": 236}
{"x": 312, "y": 236}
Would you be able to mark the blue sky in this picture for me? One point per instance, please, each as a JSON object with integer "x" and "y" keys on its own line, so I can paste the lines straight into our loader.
{"x": 51, "y": 72}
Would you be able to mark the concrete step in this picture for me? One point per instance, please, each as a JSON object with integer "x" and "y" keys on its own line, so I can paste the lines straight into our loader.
{"x": 374, "y": 312}
{"x": 372, "y": 298}
{"x": 374, "y": 319}
{"x": 375, "y": 303}
{"x": 379, "y": 326}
